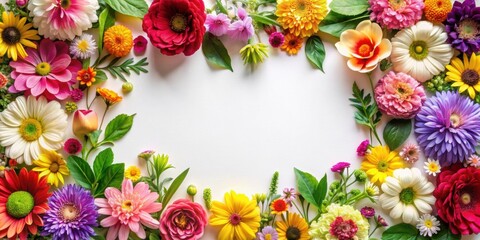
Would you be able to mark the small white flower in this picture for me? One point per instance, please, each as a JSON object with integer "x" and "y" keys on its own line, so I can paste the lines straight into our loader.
{"x": 372, "y": 190}
{"x": 428, "y": 225}
{"x": 432, "y": 167}
{"x": 474, "y": 161}
{"x": 83, "y": 47}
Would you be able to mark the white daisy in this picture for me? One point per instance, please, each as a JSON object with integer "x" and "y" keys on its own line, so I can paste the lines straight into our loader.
{"x": 83, "y": 47}
{"x": 406, "y": 194}
{"x": 421, "y": 51}
{"x": 428, "y": 225}
{"x": 432, "y": 167}
{"x": 30, "y": 126}
{"x": 474, "y": 161}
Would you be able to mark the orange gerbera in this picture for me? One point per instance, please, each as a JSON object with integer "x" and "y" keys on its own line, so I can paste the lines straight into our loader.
{"x": 110, "y": 97}
{"x": 118, "y": 40}
{"x": 86, "y": 76}
{"x": 292, "y": 44}
{"x": 279, "y": 206}
{"x": 437, "y": 10}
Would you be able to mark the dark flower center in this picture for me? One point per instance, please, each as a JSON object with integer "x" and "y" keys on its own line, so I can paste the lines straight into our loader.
{"x": 293, "y": 233}
{"x": 469, "y": 29}
{"x": 11, "y": 35}
{"x": 292, "y": 43}
{"x": 68, "y": 212}
{"x": 235, "y": 219}
{"x": 470, "y": 77}
{"x": 181, "y": 221}
{"x": 178, "y": 23}
{"x": 65, "y": 4}
{"x": 407, "y": 195}
{"x": 20, "y": 204}
{"x": 54, "y": 167}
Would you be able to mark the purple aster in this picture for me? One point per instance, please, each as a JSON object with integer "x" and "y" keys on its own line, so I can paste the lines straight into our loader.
{"x": 217, "y": 24}
{"x": 289, "y": 195}
{"x": 267, "y": 232}
{"x": 276, "y": 39}
{"x": 72, "y": 214}
{"x": 367, "y": 212}
{"x": 241, "y": 29}
{"x": 448, "y": 127}
{"x": 463, "y": 26}
{"x": 339, "y": 167}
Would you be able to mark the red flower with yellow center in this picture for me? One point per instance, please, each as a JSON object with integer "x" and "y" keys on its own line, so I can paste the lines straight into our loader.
{"x": 86, "y": 76}
{"x": 279, "y": 206}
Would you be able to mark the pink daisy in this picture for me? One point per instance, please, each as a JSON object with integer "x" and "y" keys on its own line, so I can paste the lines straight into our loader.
{"x": 128, "y": 210}
{"x": 48, "y": 71}
{"x": 396, "y": 14}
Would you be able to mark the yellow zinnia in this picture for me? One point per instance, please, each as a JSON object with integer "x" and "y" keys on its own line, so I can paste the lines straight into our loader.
{"x": 294, "y": 227}
{"x": 380, "y": 163}
{"x": 133, "y": 173}
{"x": 15, "y": 34}
{"x": 301, "y": 17}
{"x": 238, "y": 217}
{"x": 465, "y": 74}
{"x": 51, "y": 165}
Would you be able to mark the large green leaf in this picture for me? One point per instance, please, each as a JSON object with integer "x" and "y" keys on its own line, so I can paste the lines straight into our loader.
{"x": 81, "y": 171}
{"x": 349, "y": 7}
{"x": 400, "y": 231}
{"x": 134, "y": 8}
{"x": 307, "y": 185}
{"x": 334, "y": 23}
{"x": 113, "y": 177}
{"x": 106, "y": 19}
{"x": 321, "y": 190}
{"x": 102, "y": 161}
{"x": 174, "y": 187}
{"x": 215, "y": 52}
{"x": 315, "y": 51}
{"x": 445, "y": 233}
{"x": 396, "y": 132}
{"x": 118, "y": 127}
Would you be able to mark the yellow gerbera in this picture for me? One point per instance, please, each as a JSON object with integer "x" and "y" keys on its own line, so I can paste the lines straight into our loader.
{"x": 301, "y": 17}
{"x": 238, "y": 217}
{"x": 380, "y": 163}
{"x": 15, "y": 34}
{"x": 294, "y": 227}
{"x": 465, "y": 75}
{"x": 51, "y": 165}
{"x": 133, "y": 173}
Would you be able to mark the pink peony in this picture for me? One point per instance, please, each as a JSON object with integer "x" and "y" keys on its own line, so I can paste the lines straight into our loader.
{"x": 399, "y": 95}
{"x": 396, "y": 14}
{"x": 217, "y": 24}
{"x": 183, "y": 220}
{"x": 48, "y": 71}
{"x": 241, "y": 30}
{"x": 128, "y": 210}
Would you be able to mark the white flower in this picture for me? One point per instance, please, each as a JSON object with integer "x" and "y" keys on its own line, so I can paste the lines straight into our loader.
{"x": 432, "y": 167}
{"x": 421, "y": 51}
{"x": 428, "y": 225}
{"x": 30, "y": 126}
{"x": 407, "y": 194}
{"x": 473, "y": 161}
{"x": 83, "y": 47}
{"x": 372, "y": 190}
{"x": 63, "y": 19}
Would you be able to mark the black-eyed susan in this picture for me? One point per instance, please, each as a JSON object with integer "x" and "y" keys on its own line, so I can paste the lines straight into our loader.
{"x": 292, "y": 44}
{"x": 301, "y": 17}
{"x": 465, "y": 74}
{"x": 15, "y": 34}
{"x": 51, "y": 165}
{"x": 133, "y": 173}
{"x": 294, "y": 227}
{"x": 118, "y": 40}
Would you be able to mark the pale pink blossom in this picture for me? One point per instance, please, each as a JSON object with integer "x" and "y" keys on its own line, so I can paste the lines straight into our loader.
{"x": 217, "y": 24}
{"x": 241, "y": 30}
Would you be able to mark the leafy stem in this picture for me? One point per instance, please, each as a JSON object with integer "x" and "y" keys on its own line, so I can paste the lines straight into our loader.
{"x": 125, "y": 68}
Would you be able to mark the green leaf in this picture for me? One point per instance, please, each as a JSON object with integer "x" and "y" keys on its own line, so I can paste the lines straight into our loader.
{"x": 307, "y": 185}
{"x": 126, "y": 68}
{"x": 263, "y": 19}
{"x": 102, "y": 161}
{"x": 445, "y": 233}
{"x": 400, "y": 231}
{"x": 118, "y": 127}
{"x": 81, "y": 171}
{"x": 349, "y": 7}
{"x": 134, "y": 8}
{"x": 86, "y": 63}
{"x": 396, "y": 132}
{"x": 113, "y": 177}
{"x": 321, "y": 190}
{"x": 100, "y": 77}
{"x": 153, "y": 236}
{"x": 315, "y": 51}
{"x": 106, "y": 19}
{"x": 215, "y": 52}
{"x": 93, "y": 137}
{"x": 334, "y": 23}
{"x": 220, "y": 7}
{"x": 174, "y": 187}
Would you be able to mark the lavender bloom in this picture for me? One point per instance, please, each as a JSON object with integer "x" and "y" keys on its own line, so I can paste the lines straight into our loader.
{"x": 241, "y": 29}
{"x": 289, "y": 195}
{"x": 217, "y": 24}
{"x": 463, "y": 26}
{"x": 267, "y": 232}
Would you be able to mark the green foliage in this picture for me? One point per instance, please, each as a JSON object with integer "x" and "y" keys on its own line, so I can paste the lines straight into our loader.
{"x": 112, "y": 177}
{"x": 400, "y": 231}
{"x": 81, "y": 172}
{"x": 349, "y": 7}
{"x": 367, "y": 111}
{"x": 312, "y": 190}
{"x": 215, "y": 52}
{"x": 174, "y": 187}
{"x": 396, "y": 132}
{"x": 265, "y": 19}
{"x": 102, "y": 161}
{"x": 126, "y": 68}
{"x": 118, "y": 127}
{"x": 315, "y": 51}
{"x": 134, "y": 8}
{"x": 273, "y": 186}
{"x": 335, "y": 23}
{"x": 445, "y": 233}
{"x": 106, "y": 19}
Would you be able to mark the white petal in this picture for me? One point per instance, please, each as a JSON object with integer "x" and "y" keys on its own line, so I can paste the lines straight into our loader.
{"x": 17, "y": 149}
{"x": 410, "y": 214}
{"x": 422, "y": 206}
{"x": 397, "y": 211}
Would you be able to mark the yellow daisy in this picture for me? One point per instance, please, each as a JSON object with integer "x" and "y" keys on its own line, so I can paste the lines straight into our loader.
{"x": 294, "y": 227}
{"x": 118, "y": 40}
{"x": 465, "y": 74}
{"x": 15, "y": 34}
{"x": 238, "y": 217}
{"x": 51, "y": 165}
{"x": 380, "y": 163}
{"x": 301, "y": 17}
{"x": 133, "y": 173}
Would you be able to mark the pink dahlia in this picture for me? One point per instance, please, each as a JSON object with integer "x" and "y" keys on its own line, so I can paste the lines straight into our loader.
{"x": 396, "y": 14}
{"x": 128, "y": 210}
{"x": 183, "y": 219}
{"x": 399, "y": 95}
{"x": 48, "y": 71}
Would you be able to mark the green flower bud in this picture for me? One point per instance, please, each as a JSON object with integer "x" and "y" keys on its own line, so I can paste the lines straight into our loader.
{"x": 334, "y": 185}
{"x": 355, "y": 192}
{"x": 127, "y": 87}
{"x": 70, "y": 107}
{"x": 207, "y": 198}
{"x": 254, "y": 53}
{"x": 360, "y": 175}
{"x": 192, "y": 190}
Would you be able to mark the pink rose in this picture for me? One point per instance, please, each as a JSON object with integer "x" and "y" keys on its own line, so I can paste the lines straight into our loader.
{"x": 183, "y": 220}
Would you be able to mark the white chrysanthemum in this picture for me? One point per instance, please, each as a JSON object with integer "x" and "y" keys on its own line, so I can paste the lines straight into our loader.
{"x": 421, "y": 51}
{"x": 428, "y": 225}
{"x": 406, "y": 194}
{"x": 63, "y": 19}
{"x": 30, "y": 126}
{"x": 83, "y": 47}
{"x": 432, "y": 167}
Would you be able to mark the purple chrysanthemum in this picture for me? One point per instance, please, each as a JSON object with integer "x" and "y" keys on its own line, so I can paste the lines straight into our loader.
{"x": 463, "y": 26}
{"x": 72, "y": 214}
{"x": 448, "y": 127}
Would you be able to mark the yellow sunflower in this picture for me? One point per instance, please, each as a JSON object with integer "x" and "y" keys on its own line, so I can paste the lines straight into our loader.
{"x": 238, "y": 217}
{"x": 380, "y": 163}
{"x": 15, "y": 34}
{"x": 301, "y": 17}
{"x": 133, "y": 173}
{"x": 465, "y": 74}
{"x": 294, "y": 227}
{"x": 51, "y": 165}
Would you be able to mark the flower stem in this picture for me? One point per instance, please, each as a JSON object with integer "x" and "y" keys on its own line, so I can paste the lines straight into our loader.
{"x": 372, "y": 126}
{"x": 103, "y": 117}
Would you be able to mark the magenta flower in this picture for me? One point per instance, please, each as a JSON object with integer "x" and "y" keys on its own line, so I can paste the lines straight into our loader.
{"x": 367, "y": 212}
{"x": 217, "y": 24}
{"x": 48, "y": 71}
{"x": 72, "y": 146}
{"x": 183, "y": 219}
{"x": 276, "y": 39}
{"x": 76, "y": 95}
{"x": 139, "y": 45}
{"x": 381, "y": 221}
{"x": 241, "y": 30}
{"x": 363, "y": 148}
{"x": 339, "y": 167}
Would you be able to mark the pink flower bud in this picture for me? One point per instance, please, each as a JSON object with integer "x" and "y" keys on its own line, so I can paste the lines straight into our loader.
{"x": 84, "y": 122}
{"x": 21, "y": 3}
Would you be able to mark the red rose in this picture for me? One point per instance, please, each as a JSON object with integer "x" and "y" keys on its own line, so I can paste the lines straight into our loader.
{"x": 458, "y": 199}
{"x": 183, "y": 219}
{"x": 176, "y": 26}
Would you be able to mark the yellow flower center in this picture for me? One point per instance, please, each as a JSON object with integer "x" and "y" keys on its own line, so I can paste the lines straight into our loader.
{"x": 83, "y": 46}
{"x": 397, "y": 4}
{"x": 382, "y": 166}
{"x": 127, "y": 205}
{"x": 428, "y": 223}
{"x": 133, "y": 172}
{"x": 178, "y": 23}
{"x": 268, "y": 236}
{"x": 30, "y": 129}
{"x": 43, "y": 68}
{"x": 470, "y": 77}
{"x": 181, "y": 221}
{"x": 433, "y": 167}
{"x": 418, "y": 50}
{"x": 69, "y": 212}
{"x": 11, "y": 35}
{"x": 455, "y": 120}
{"x": 300, "y": 9}
{"x": 404, "y": 90}
{"x": 466, "y": 199}
{"x": 54, "y": 167}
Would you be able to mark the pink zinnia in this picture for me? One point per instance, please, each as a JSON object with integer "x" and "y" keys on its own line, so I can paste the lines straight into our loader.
{"x": 241, "y": 30}
{"x": 396, "y": 14}
{"x": 410, "y": 153}
{"x": 217, "y": 24}
{"x": 399, "y": 95}
{"x": 128, "y": 210}
{"x": 340, "y": 166}
{"x": 276, "y": 39}
{"x": 48, "y": 71}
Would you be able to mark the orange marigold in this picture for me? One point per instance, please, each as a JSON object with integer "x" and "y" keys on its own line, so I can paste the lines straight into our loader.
{"x": 87, "y": 76}
{"x": 437, "y": 10}
{"x": 110, "y": 97}
{"x": 279, "y": 206}
{"x": 292, "y": 44}
{"x": 118, "y": 40}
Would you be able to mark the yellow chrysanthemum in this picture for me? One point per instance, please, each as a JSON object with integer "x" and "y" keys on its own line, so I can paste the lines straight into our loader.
{"x": 238, "y": 217}
{"x": 292, "y": 44}
{"x": 51, "y": 165}
{"x": 118, "y": 40}
{"x": 380, "y": 163}
{"x": 437, "y": 10}
{"x": 133, "y": 173}
{"x": 15, "y": 34}
{"x": 301, "y": 17}
{"x": 340, "y": 219}
{"x": 465, "y": 74}
{"x": 294, "y": 227}
{"x": 110, "y": 97}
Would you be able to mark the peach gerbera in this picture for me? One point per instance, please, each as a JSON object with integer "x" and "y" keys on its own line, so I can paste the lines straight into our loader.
{"x": 364, "y": 46}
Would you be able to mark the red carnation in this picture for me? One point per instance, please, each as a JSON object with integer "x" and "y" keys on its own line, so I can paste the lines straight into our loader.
{"x": 175, "y": 26}
{"x": 458, "y": 199}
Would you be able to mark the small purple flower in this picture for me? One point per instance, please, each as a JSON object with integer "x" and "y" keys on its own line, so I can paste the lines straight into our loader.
{"x": 139, "y": 45}
{"x": 276, "y": 39}
{"x": 363, "y": 148}
{"x": 241, "y": 13}
{"x": 217, "y": 24}
{"x": 289, "y": 195}
{"x": 463, "y": 26}
{"x": 339, "y": 167}
{"x": 381, "y": 221}
{"x": 267, "y": 233}
{"x": 367, "y": 212}
{"x": 241, "y": 30}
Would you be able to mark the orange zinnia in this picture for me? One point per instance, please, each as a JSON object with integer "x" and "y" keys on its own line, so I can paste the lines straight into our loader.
{"x": 110, "y": 97}
{"x": 86, "y": 76}
{"x": 279, "y": 206}
{"x": 292, "y": 44}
